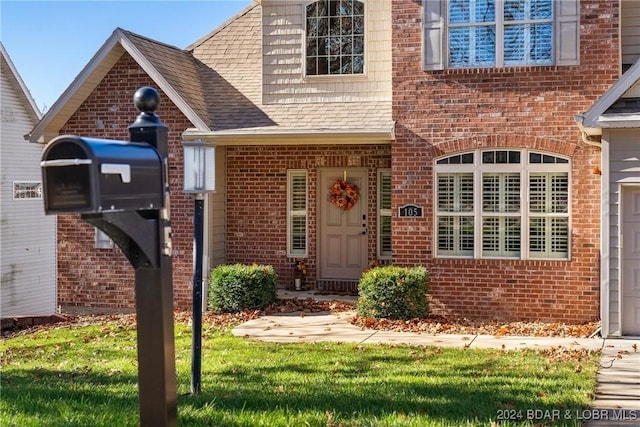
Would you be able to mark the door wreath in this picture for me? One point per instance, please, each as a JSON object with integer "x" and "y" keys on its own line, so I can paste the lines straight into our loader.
{"x": 344, "y": 194}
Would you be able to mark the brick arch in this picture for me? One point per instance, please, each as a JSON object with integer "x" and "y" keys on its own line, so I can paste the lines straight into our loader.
{"x": 459, "y": 145}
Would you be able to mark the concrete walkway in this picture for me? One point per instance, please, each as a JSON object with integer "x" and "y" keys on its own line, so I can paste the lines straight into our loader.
{"x": 617, "y": 401}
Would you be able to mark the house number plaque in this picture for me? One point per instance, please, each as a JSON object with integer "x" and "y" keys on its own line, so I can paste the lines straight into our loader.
{"x": 410, "y": 211}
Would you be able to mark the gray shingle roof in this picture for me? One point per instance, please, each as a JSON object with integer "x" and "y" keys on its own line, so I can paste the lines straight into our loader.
{"x": 217, "y": 82}
{"x": 179, "y": 68}
{"x": 233, "y": 85}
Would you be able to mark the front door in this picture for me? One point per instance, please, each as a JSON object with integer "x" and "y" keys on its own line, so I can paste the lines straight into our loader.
{"x": 342, "y": 233}
{"x": 630, "y": 261}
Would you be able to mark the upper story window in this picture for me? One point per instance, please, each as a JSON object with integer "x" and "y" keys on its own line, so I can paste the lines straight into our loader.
{"x": 335, "y": 37}
{"x": 500, "y": 33}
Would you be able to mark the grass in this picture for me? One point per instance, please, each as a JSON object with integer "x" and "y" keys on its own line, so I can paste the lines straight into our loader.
{"x": 87, "y": 376}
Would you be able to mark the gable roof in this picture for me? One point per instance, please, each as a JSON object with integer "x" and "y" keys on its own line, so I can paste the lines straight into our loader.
{"x": 234, "y": 54}
{"x": 217, "y": 84}
{"x": 175, "y": 71}
{"x": 25, "y": 95}
{"x": 609, "y": 111}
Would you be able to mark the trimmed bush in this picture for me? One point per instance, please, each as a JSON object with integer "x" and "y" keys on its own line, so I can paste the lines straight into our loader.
{"x": 392, "y": 292}
{"x": 233, "y": 288}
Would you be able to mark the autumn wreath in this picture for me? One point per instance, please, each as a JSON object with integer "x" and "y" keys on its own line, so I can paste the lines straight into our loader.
{"x": 344, "y": 195}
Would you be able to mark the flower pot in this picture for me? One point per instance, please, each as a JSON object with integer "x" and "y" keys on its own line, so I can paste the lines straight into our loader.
{"x": 298, "y": 283}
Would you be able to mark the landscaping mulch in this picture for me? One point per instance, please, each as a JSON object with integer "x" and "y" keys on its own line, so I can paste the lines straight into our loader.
{"x": 433, "y": 324}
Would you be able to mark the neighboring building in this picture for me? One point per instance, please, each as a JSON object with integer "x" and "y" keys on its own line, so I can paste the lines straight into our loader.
{"x": 466, "y": 157}
{"x": 614, "y": 120}
{"x": 27, "y": 236}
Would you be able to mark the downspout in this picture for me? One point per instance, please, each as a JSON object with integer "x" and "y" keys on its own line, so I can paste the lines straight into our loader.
{"x": 593, "y": 140}
{"x": 596, "y": 141}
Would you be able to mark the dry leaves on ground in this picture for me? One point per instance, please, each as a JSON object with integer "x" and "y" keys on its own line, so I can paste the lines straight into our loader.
{"x": 431, "y": 325}
{"x": 434, "y": 325}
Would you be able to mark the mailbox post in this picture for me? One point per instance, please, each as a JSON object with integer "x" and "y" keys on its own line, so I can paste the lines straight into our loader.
{"x": 154, "y": 285}
{"x": 122, "y": 188}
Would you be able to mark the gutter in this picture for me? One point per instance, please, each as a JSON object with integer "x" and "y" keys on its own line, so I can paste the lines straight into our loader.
{"x": 261, "y": 136}
{"x": 590, "y": 136}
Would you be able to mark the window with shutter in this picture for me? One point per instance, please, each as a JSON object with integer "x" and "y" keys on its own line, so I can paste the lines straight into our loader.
{"x": 297, "y": 213}
{"x": 384, "y": 213}
{"x": 500, "y": 33}
{"x": 479, "y": 208}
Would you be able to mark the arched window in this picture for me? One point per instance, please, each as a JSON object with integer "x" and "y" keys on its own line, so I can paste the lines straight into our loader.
{"x": 502, "y": 204}
{"x": 334, "y": 37}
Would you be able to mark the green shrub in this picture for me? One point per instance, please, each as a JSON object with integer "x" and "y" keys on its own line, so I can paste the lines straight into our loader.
{"x": 392, "y": 292}
{"x": 233, "y": 288}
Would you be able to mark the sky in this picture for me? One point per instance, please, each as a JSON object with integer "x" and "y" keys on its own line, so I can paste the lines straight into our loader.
{"x": 50, "y": 42}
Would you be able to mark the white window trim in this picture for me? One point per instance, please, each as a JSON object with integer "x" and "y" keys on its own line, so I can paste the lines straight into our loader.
{"x": 333, "y": 77}
{"x": 290, "y": 213}
{"x": 381, "y": 213}
{"x": 15, "y": 191}
{"x": 525, "y": 169}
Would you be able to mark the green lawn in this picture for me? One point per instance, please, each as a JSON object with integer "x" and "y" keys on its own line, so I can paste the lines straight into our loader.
{"x": 86, "y": 376}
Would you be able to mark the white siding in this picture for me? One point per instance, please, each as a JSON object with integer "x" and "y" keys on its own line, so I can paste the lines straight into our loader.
{"x": 217, "y": 218}
{"x": 624, "y": 168}
{"x": 283, "y": 62}
{"x": 27, "y": 236}
{"x": 630, "y": 31}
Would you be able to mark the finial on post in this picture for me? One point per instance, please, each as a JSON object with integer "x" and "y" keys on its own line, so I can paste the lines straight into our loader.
{"x": 148, "y": 127}
{"x": 146, "y": 99}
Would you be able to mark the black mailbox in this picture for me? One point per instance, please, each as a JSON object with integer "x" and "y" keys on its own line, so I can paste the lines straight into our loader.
{"x": 83, "y": 175}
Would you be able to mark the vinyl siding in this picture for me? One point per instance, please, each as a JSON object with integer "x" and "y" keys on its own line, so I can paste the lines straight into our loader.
{"x": 630, "y": 31}
{"x": 624, "y": 168}
{"x": 28, "y": 242}
{"x": 283, "y": 59}
{"x": 217, "y": 218}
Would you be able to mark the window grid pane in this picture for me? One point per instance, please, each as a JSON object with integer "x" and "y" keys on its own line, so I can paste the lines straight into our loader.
{"x": 335, "y": 37}
{"x": 298, "y": 233}
{"x": 455, "y": 235}
{"x": 549, "y": 206}
{"x": 501, "y": 192}
{"x": 501, "y": 236}
{"x": 525, "y": 36}
{"x": 385, "y": 235}
{"x": 298, "y": 193}
{"x": 455, "y": 192}
{"x": 560, "y": 193}
{"x": 27, "y": 190}
{"x": 560, "y": 236}
{"x": 384, "y": 213}
{"x": 527, "y": 44}
{"x": 297, "y": 213}
{"x": 385, "y": 190}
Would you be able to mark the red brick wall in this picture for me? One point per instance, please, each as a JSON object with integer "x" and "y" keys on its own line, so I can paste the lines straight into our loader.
{"x": 90, "y": 277}
{"x": 256, "y": 200}
{"x": 444, "y": 112}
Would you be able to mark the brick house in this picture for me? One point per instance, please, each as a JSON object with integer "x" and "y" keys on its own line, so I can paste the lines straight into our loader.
{"x": 466, "y": 155}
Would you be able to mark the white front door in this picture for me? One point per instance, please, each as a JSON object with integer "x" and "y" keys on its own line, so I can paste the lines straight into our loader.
{"x": 630, "y": 261}
{"x": 342, "y": 234}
